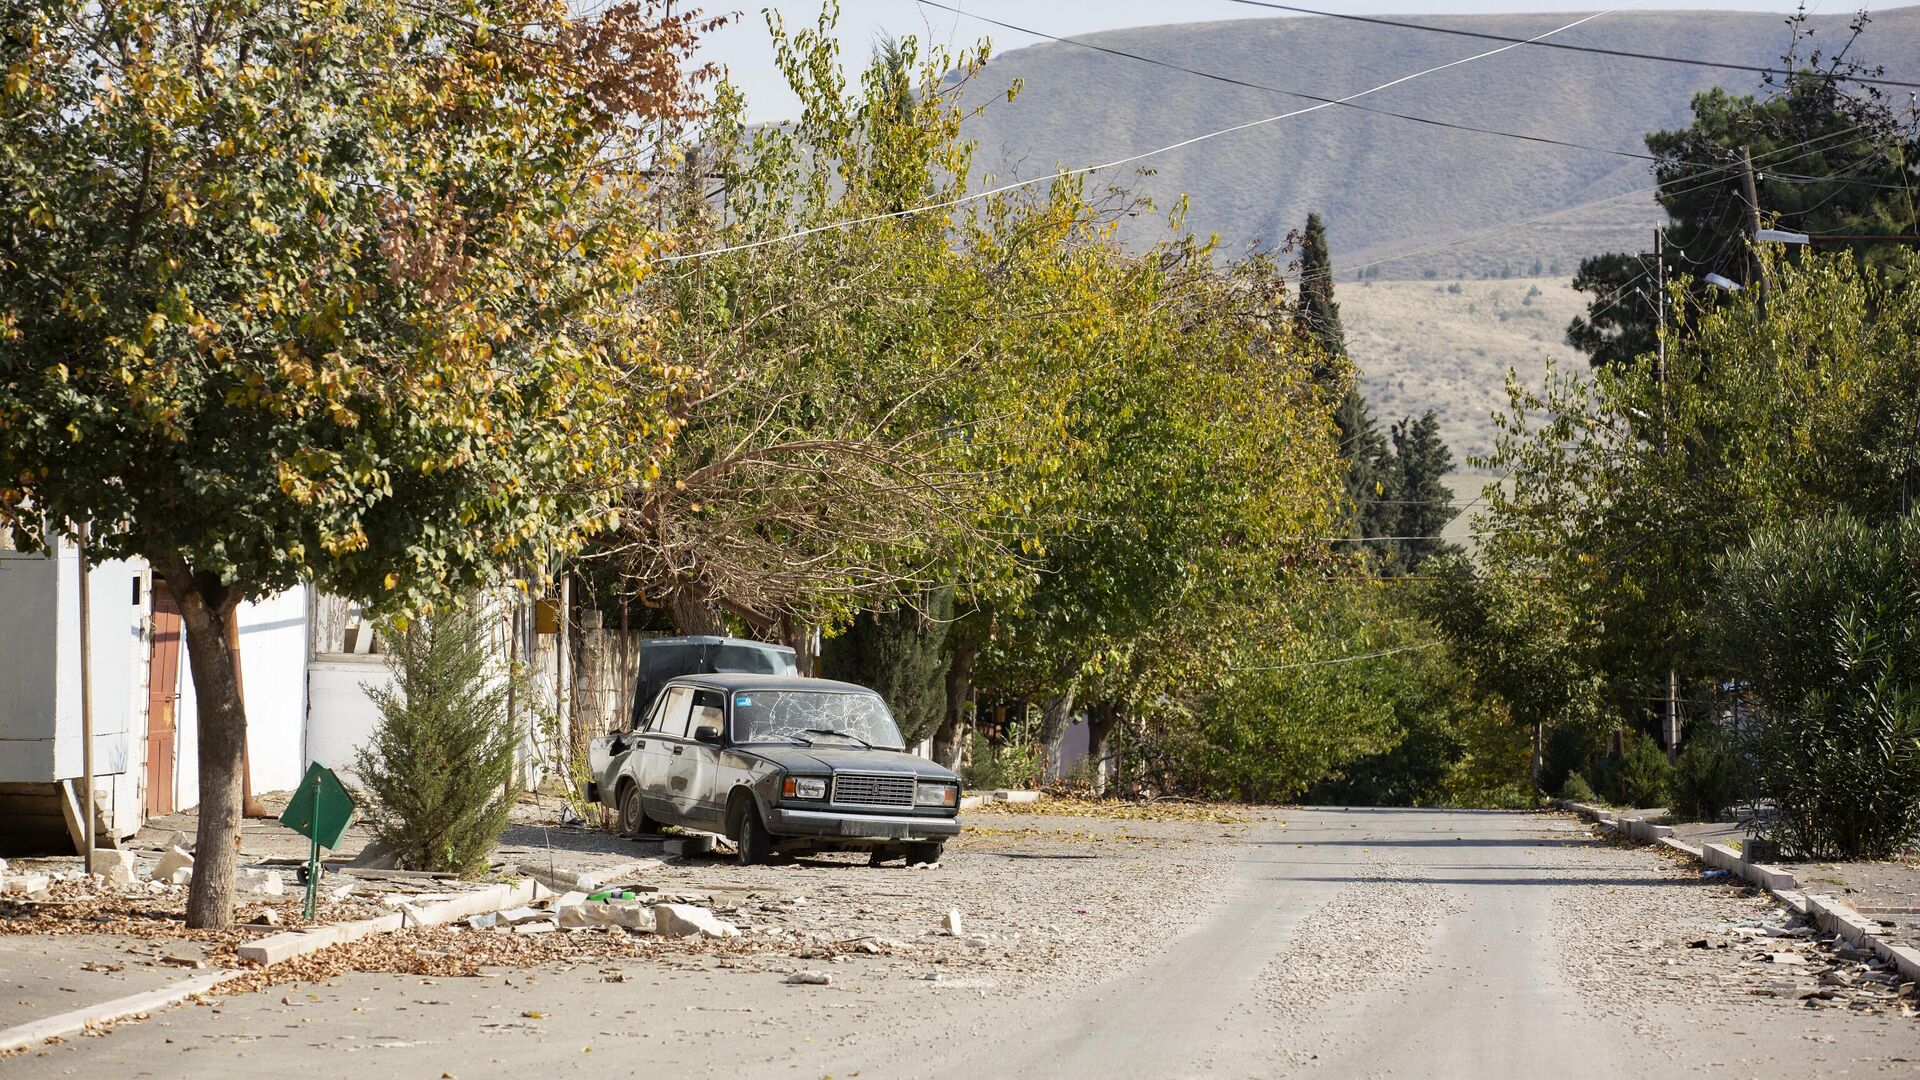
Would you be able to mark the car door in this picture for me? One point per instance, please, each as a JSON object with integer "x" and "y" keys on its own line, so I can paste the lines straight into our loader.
{"x": 666, "y": 742}
{"x": 695, "y": 765}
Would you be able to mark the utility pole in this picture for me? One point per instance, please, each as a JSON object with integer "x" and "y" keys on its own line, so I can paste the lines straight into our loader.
{"x": 1670, "y": 721}
{"x": 1759, "y": 269}
{"x": 86, "y": 702}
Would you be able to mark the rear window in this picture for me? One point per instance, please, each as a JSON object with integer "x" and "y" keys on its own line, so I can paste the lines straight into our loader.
{"x": 821, "y": 717}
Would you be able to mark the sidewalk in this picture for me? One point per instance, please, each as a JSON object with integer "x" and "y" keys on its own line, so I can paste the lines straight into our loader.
{"x": 44, "y": 974}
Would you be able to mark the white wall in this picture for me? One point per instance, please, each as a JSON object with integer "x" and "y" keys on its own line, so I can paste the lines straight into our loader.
{"x": 341, "y": 717}
{"x": 40, "y": 715}
{"x": 273, "y": 654}
{"x": 28, "y": 616}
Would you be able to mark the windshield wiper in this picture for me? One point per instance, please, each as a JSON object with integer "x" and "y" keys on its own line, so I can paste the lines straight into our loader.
{"x": 842, "y": 734}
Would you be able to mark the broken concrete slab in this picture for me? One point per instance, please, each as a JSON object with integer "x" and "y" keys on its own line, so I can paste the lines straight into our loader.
{"x": 114, "y": 865}
{"x": 627, "y": 914}
{"x": 563, "y": 881}
{"x": 17, "y": 884}
{"x": 172, "y": 859}
{"x": 685, "y": 920}
{"x": 685, "y": 846}
{"x": 261, "y": 882}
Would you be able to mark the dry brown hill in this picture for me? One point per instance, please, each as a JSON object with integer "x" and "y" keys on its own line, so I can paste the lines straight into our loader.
{"x": 1388, "y": 186}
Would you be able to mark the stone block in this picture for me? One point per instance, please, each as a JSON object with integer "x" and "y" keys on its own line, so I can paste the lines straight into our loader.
{"x": 685, "y": 920}
{"x": 114, "y": 865}
{"x": 259, "y": 882}
{"x": 172, "y": 859}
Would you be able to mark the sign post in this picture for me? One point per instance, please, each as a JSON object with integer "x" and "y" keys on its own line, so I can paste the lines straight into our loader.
{"x": 319, "y": 810}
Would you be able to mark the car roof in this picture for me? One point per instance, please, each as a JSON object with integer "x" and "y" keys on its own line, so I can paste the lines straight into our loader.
{"x": 733, "y": 680}
{"x": 715, "y": 639}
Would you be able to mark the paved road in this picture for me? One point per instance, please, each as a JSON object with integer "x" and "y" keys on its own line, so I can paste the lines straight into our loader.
{"x": 1342, "y": 943}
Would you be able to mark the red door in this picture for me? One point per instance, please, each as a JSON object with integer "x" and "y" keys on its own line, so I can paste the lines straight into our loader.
{"x": 163, "y": 679}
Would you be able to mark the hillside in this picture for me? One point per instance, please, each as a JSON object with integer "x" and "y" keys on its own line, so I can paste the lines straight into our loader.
{"x": 1388, "y": 186}
{"x": 1448, "y": 346}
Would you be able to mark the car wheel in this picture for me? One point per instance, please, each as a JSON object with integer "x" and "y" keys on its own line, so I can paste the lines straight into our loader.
{"x": 918, "y": 854}
{"x": 755, "y": 844}
{"x": 633, "y": 814}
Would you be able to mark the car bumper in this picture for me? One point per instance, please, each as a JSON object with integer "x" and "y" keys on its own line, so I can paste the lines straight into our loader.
{"x": 831, "y": 823}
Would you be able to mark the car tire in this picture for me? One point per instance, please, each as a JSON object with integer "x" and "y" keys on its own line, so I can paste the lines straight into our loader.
{"x": 755, "y": 843}
{"x": 633, "y": 814}
{"x": 921, "y": 854}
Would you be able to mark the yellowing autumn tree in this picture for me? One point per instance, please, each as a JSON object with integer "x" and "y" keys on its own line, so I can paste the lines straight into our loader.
{"x": 324, "y": 292}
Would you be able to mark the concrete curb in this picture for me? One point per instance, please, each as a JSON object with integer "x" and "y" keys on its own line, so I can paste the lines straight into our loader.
{"x": 1827, "y": 913}
{"x": 280, "y": 947}
{"x": 1842, "y": 921}
{"x": 31, "y": 1034}
{"x": 1715, "y": 856}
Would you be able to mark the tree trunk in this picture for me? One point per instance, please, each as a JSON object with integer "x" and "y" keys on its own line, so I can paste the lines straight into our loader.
{"x": 952, "y": 735}
{"x": 1053, "y": 724}
{"x": 206, "y": 611}
{"x": 799, "y": 637}
{"x": 1100, "y": 722}
{"x": 694, "y": 611}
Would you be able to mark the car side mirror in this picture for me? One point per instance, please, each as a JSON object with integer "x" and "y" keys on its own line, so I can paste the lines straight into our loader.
{"x": 707, "y": 735}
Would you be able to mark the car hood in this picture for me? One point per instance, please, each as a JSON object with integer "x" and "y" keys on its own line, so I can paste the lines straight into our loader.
{"x": 849, "y": 759}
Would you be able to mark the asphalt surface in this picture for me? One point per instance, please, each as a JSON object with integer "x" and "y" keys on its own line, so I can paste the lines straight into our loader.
{"x": 1362, "y": 943}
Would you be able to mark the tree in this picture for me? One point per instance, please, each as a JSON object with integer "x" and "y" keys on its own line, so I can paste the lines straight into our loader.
{"x": 1625, "y": 490}
{"x": 872, "y": 407}
{"x": 324, "y": 294}
{"x": 1820, "y": 620}
{"x": 1422, "y": 502}
{"x": 1317, "y": 314}
{"x": 903, "y": 654}
{"x": 440, "y": 763}
{"x": 1827, "y": 159}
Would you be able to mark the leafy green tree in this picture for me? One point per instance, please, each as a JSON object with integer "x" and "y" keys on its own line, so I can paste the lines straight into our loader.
{"x": 1625, "y": 491}
{"x": 441, "y": 759}
{"x": 1820, "y": 619}
{"x": 1827, "y": 160}
{"x": 903, "y": 654}
{"x": 323, "y": 294}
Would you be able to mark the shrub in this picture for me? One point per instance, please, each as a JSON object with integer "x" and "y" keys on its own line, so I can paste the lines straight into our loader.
{"x": 442, "y": 754}
{"x": 1641, "y": 777}
{"x": 1711, "y": 778}
{"x": 1821, "y": 618}
{"x": 1017, "y": 763}
{"x": 1577, "y": 789}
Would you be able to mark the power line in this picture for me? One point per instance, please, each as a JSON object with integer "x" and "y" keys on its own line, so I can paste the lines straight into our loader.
{"x": 1130, "y": 158}
{"x": 1278, "y": 90}
{"x": 1657, "y": 188}
{"x": 1625, "y": 54}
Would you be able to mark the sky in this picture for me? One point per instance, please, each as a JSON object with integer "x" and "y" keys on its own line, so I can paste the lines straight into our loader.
{"x": 742, "y": 47}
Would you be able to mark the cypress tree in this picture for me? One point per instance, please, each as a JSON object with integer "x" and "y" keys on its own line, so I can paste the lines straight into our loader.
{"x": 1422, "y": 503}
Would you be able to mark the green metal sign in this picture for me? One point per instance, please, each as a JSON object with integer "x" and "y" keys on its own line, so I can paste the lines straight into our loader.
{"x": 319, "y": 810}
{"x": 321, "y": 807}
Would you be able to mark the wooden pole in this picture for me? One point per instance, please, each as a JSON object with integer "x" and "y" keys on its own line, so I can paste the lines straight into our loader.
{"x": 86, "y": 703}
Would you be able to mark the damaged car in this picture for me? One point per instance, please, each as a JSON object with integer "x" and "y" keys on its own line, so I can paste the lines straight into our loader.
{"x": 780, "y": 765}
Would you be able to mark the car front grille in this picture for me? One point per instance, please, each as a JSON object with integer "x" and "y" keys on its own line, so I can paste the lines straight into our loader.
{"x": 873, "y": 789}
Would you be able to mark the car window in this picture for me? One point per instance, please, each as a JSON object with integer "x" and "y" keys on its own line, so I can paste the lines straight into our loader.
{"x": 678, "y": 702}
{"x": 813, "y": 716}
{"x": 709, "y": 710}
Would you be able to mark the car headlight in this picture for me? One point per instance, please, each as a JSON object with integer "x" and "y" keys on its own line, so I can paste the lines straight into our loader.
{"x": 804, "y": 787}
{"x": 935, "y": 794}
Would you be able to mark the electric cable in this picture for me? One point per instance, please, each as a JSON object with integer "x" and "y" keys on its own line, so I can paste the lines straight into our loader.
{"x": 1624, "y": 54}
{"x": 1129, "y": 159}
{"x": 1278, "y": 90}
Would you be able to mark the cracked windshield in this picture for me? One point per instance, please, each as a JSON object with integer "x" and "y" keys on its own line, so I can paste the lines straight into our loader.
{"x": 810, "y": 716}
